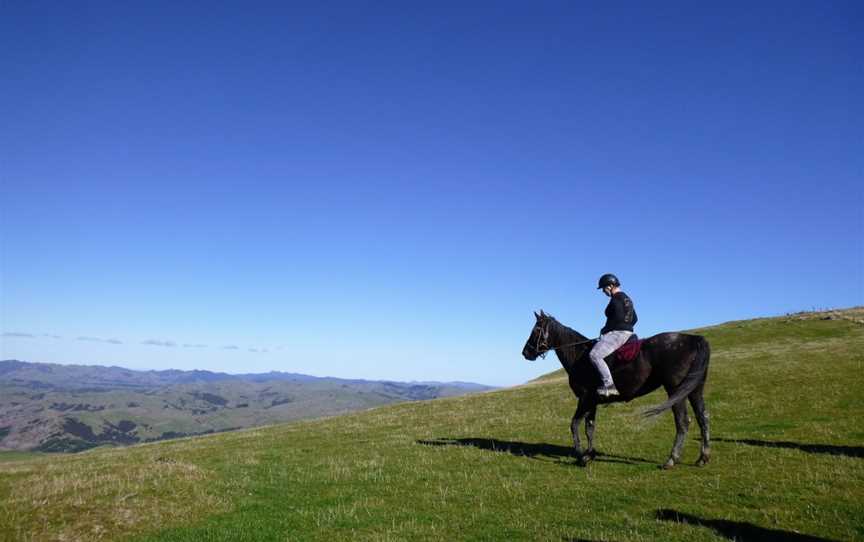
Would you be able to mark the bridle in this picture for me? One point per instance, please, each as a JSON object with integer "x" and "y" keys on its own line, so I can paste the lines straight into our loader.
{"x": 543, "y": 341}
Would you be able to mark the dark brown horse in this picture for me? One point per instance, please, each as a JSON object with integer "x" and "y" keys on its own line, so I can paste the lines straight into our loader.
{"x": 676, "y": 361}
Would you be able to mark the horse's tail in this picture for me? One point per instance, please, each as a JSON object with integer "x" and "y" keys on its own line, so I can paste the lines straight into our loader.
{"x": 695, "y": 377}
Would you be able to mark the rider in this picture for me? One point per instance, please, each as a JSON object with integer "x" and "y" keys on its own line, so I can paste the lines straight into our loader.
{"x": 620, "y": 319}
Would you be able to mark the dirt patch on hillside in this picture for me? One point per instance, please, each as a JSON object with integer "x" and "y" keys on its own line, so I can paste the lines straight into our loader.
{"x": 854, "y": 314}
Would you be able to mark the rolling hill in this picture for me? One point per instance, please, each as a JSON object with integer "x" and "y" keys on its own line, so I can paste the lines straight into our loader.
{"x": 788, "y": 464}
{"x": 70, "y": 408}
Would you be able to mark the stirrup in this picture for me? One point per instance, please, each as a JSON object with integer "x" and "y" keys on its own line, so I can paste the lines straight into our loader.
{"x": 603, "y": 391}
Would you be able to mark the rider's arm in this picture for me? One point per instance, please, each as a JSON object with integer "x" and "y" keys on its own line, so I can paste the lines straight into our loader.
{"x": 615, "y": 313}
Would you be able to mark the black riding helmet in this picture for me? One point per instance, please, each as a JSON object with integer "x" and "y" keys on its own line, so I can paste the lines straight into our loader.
{"x": 608, "y": 280}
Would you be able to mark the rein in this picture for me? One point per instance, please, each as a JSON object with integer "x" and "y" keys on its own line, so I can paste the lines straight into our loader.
{"x": 550, "y": 348}
{"x": 544, "y": 337}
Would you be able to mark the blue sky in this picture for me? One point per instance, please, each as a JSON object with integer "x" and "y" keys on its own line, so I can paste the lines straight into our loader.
{"x": 388, "y": 191}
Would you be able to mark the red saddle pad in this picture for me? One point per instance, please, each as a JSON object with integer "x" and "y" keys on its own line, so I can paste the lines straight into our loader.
{"x": 628, "y": 352}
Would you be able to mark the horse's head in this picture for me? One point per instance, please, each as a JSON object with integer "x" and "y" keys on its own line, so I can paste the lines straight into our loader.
{"x": 538, "y": 341}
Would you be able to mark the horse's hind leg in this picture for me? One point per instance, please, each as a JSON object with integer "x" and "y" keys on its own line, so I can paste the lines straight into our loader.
{"x": 698, "y": 404}
{"x": 682, "y": 422}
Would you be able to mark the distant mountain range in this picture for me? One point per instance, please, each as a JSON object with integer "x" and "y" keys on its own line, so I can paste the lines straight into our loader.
{"x": 69, "y": 408}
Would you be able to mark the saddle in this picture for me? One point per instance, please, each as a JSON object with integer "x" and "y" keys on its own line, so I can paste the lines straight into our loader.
{"x": 625, "y": 353}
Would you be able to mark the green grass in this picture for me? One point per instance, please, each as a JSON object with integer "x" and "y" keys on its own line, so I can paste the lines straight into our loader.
{"x": 788, "y": 457}
{"x": 6, "y": 456}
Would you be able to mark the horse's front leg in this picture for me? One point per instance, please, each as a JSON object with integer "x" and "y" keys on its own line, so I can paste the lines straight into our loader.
{"x": 590, "y": 453}
{"x": 585, "y": 406}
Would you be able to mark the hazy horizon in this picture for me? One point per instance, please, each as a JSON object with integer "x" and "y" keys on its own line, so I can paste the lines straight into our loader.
{"x": 554, "y": 366}
{"x": 229, "y": 373}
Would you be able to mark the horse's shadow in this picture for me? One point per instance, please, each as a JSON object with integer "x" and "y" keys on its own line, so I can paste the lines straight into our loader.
{"x": 830, "y": 449}
{"x": 530, "y": 450}
{"x": 737, "y": 530}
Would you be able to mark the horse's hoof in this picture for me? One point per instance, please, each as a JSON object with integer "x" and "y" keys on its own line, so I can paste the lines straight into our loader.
{"x": 702, "y": 461}
{"x": 582, "y": 461}
{"x": 668, "y": 465}
{"x": 591, "y": 453}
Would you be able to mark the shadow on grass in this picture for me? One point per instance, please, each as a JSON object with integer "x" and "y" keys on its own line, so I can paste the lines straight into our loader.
{"x": 527, "y": 449}
{"x": 830, "y": 449}
{"x": 737, "y": 530}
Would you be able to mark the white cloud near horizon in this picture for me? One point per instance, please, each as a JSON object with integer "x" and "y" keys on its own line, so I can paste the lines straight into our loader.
{"x": 148, "y": 342}
{"x": 99, "y": 340}
{"x": 152, "y": 342}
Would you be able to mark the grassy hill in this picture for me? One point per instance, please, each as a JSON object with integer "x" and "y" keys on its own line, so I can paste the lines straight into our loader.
{"x": 788, "y": 463}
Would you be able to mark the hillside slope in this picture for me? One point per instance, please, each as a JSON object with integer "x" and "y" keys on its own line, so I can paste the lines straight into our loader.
{"x": 788, "y": 463}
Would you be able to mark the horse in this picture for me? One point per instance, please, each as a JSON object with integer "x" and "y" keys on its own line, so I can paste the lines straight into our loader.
{"x": 676, "y": 361}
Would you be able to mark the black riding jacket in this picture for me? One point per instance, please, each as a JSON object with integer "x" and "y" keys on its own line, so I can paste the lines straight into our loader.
{"x": 620, "y": 314}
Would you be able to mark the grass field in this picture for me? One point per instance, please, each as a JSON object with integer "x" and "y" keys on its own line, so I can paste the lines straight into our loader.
{"x": 6, "y": 456}
{"x": 784, "y": 396}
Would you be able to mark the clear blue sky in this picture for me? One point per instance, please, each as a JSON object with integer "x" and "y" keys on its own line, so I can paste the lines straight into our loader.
{"x": 388, "y": 190}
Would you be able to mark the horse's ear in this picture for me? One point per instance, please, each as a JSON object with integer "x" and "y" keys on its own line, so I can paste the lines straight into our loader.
{"x": 536, "y": 315}
{"x": 543, "y": 314}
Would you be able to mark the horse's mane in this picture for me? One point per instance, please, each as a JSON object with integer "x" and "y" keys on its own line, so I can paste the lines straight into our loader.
{"x": 573, "y": 334}
{"x": 572, "y": 356}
